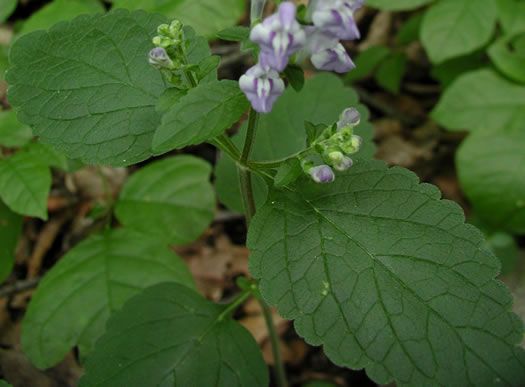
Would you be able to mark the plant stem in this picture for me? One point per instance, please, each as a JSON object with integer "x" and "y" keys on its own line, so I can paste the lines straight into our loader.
{"x": 274, "y": 338}
{"x": 230, "y": 308}
{"x": 245, "y": 180}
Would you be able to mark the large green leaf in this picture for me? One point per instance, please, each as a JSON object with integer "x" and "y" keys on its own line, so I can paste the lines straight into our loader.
{"x": 491, "y": 169}
{"x": 86, "y": 86}
{"x": 452, "y": 28}
{"x": 171, "y": 336}
{"x": 387, "y": 277}
{"x": 7, "y": 7}
{"x": 202, "y": 114}
{"x": 397, "y": 5}
{"x": 512, "y": 16}
{"x": 92, "y": 281}
{"x": 281, "y": 133}
{"x": 25, "y": 184}
{"x": 207, "y": 17}
{"x": 481, "y": 100}
{"x": 59, "y": 10}
{"x": 10, "y": 229}
{"x": 509, "y": 57}
{"x": 12, "y": 132}
{"x": 170, "y": 198}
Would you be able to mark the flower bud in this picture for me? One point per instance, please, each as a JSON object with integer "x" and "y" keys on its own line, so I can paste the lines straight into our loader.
{"x": 322, "y": 174}
{"x": 335, "y": 156}
{"x": 159, "y": 58}
{"x": 344, "y": 164}
{"x": 357, "y": 141}
{"x": 349, "y": 117}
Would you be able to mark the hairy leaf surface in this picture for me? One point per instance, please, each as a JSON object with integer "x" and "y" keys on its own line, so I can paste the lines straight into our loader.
{"x": 282, "y": 132}
{"x": 24, "y": 184}
{"x": 452, "y": 28}
{"x": 491, "y": 169}
{"x": 202, "y": 114}
{"x": 171, "y": 336}
{"x": 170, "y": 198}
{"x": 387, "y": 277}
{"x": 92, "y": 281}
{"x": 86, "y": 86}
{"x": 482, "y": 100}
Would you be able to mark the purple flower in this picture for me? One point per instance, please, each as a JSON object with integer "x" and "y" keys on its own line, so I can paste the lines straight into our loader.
{"x": 279, "y": 36}
{"x": 159, "y": 58}
{"x": 333, "y": 59}
{"x": 349, "y": 117}
{"x": 327, "y": 53}
{"x": 262, "y": 87}
{"x": 322, "y": 174}
{"x": 337, "y": 17}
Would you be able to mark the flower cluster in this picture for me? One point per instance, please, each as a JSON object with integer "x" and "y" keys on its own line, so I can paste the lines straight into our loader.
{"x": 169, "y": 52}
{"x": 334, "y": 145}
{"x": 280, "y": 36}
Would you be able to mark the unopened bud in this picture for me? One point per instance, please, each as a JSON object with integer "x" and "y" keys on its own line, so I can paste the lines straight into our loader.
{"x": 349, "y": 117}
{"x": 344, "y": 164}
{"x": 322, "y": 174}
{"x": 159, "y": 58}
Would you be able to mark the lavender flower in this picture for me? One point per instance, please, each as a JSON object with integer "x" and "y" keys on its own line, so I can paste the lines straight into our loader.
{"x": 159, "y": 58}
{"x": 349, "y": 117}
{"x": 322, "y": 174}
{"x": 262, "y": 87}
{"x": 327, "y": 53}
{"x": 337, "y": 17}
{"x": 279, "y": 37}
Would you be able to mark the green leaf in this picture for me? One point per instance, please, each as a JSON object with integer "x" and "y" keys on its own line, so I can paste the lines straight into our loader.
{"x": 397, "y": 5}
{"x": 504, "y": 246}
{"x": 169, "y": 98}
{"x": 207, "y": 17}
{"x": 453, "y": 28}
{"x": 282, "y": 133}
{"x": 481, "y": 100}
{"x": 3, "y": 383}
{"x": 387, "y": 277}
{"x": 208, "y": 66}
{"x": 171, "y": 336}
{"x": 25, "y": 184}
{"x": 391, "y": 72}
{"x": 491, "y": 170}
{"x": 171, "y": 198}
{"x": 59, "y": 10}
{"x": 47, "y": 154}
{"x": 202, "y": 114}
{"x": 295, "y": 76}
{"x": 12, "y": 132}
{"x": 10, "y": 229}
{"x": 448, "y": 71}
{"x": 367, "y": 61}
{"x": 288, "y": 172}
{"x": 235, "y": 34}
{"x": 512, "y": 16}
{"x": 508, "y": 58}
{"x": 86, "y": 87}
{"x": 409, "y": 31}
{"x": 91, "y": 282}
{"x": 7, "y": 7}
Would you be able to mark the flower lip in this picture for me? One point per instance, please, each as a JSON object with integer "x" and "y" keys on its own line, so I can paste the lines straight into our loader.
{"x": 262, "y": 86}
{"x": 337, "y": 17}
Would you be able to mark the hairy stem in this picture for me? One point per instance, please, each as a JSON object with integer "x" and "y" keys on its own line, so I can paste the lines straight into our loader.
{"x": 245, "y": 180}
{"x": 230, "y": 308}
